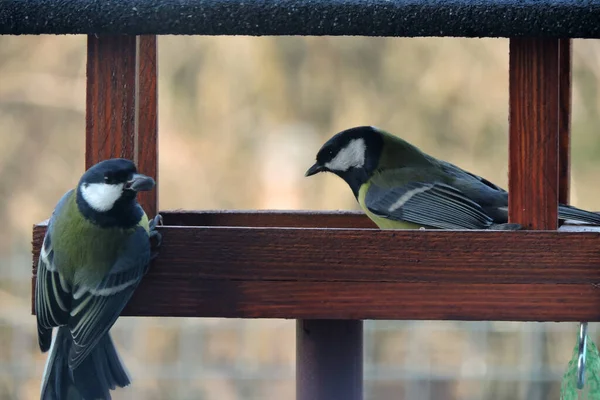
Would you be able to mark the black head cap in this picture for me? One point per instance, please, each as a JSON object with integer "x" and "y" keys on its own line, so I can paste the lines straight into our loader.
{"x": 107, "y": 191}
{"x": 111, "y": 171}
{"x": 352, "y": 154}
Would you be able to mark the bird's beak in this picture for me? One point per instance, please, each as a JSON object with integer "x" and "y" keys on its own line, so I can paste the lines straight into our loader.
{"x": 315, "y": 169}
{"x": 140, "y": 183}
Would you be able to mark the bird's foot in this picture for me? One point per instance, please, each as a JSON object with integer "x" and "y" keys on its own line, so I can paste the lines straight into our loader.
{"x": 158, "y": 220}
{"x": 155, "y": 235}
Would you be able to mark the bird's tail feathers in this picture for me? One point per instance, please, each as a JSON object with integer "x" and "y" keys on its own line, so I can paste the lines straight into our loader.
{"x": 56, "y": 382}
{"x": 576, "y": 214}
{"x": 93, "y": 379}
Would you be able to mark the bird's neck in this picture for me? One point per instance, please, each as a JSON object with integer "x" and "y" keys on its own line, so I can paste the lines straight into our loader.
{"x": 399, "y": 154}
{"x": 355, "y": 178}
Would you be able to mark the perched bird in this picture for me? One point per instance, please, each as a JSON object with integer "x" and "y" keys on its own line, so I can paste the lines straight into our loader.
{"x": 95, "y": 252}
{"x": 400, "y": 187}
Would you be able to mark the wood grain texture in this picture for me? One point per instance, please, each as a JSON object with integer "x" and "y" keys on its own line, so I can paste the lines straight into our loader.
{"x": 121, "y": 109}
{"x": 111, "y": 98}
{"x": 363, "y": 273}
{"x": 534, "y": 138}
{"x": 564, "y": 121}
{"x": 195, "y": 297}
{"x": 147, "y": 119}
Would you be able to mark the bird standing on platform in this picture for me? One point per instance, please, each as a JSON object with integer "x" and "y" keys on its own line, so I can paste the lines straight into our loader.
{"x": 95, "y": 252}
{"x": 400, "y": 187}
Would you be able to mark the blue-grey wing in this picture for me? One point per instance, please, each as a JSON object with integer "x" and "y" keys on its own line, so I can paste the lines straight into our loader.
{"x": 491, "y": 197}
{"x": 95, "y": 309}
{"x": 435, "y": 205}
{"x": 52, "y": 293}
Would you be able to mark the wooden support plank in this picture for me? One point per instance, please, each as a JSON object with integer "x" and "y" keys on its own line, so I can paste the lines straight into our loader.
{"x": 328, "y": 347}
{"x": 263, "y": 272}
{"x": 534, "y": 159}
{"x": 298, "y": 254}
{"x": 110, "y": 108}
{"x": 121, "y": 104}
{"x": 536, "y": 155}
{"x": 147, "y": 116}
{"x": 564, "y": 121}
{"x": 196, "y": 297}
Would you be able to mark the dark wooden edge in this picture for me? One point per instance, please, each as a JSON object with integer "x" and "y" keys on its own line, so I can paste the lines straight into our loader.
{"x": 293, "y": 272}
{"x": 279, "y": 218}
{"x": 269, "y": 218}
{"x": 490, "y": 18}
{"x": 564, "y": 120}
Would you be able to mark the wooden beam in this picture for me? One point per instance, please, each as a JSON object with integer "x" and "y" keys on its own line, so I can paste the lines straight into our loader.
{"x": 249, "y": 272}
{"x": 195, "y": 297}
{"x": 121, "y": 104}
{"x": 534, "y": 138}
{"x": 537, "y": 147}
{"x": 564, "y": 121}
{"x": 110, "y": 98}
{"x": 147, "y": 118}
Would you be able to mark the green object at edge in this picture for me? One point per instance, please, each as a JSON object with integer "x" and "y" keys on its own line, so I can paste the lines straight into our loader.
{"x": 591, "y": 389}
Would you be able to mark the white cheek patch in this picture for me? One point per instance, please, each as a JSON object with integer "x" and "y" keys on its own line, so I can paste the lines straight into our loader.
{"x": 353, "y": 155}
{"x": 101, "y": 196}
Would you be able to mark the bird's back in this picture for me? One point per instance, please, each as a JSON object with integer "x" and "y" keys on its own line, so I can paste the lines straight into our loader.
{"x": 405, "y": 163}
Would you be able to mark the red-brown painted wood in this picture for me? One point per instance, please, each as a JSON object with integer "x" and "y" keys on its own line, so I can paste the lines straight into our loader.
{"x": 196, "y": 297}
{"x": 564, "y": 121}
{"x": 121, "y": 104}
{"x": 534, "y": 138}
{"x": 111, "y": 98}
{"x": 147, "y": 117}
{"x": 561, "y": 264}
{"x": 538, "y": 150}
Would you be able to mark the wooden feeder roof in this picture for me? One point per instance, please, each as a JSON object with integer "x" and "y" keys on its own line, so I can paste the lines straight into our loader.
{"x": 408, "y": 18}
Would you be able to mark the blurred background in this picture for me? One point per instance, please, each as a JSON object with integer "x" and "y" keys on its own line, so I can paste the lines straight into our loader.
{"x": 244, "y": 117}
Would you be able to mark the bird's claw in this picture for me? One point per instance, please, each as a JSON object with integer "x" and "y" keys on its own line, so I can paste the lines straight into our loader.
{"x": 156, "y": 221}
{"x": 155, "y": 235}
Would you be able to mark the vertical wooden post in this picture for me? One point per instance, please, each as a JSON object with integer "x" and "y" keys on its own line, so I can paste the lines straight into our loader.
{"x": 329, "y": 360}
{"x": 539, "y": 145}
{"x": 534, "y": 138}
{"x": 564, "y": 121}
{"x": 121, "y": 104}
{"x": 147, "y": 119}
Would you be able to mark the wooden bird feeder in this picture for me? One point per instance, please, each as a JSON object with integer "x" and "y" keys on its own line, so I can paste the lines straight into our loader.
{"x": 294, "y": 264}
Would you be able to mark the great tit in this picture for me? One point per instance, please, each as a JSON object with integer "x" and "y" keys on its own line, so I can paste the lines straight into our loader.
{"x": 95, "y": 252}
{"x": 400, "y": 187}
